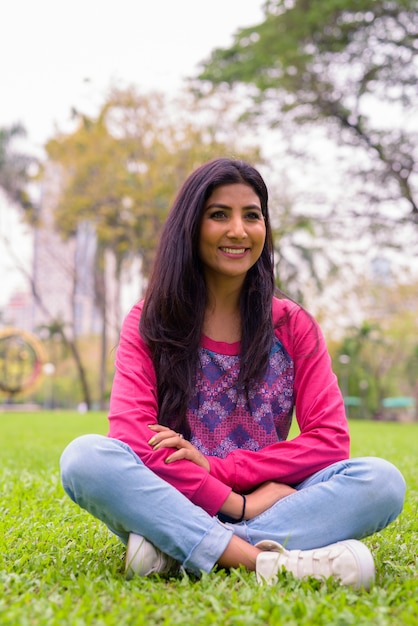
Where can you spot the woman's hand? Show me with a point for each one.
(258, 500)
(166, 438)
(264, 497)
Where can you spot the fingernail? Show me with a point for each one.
(151, 441)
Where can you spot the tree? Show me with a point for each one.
(350, 65)
(54, 326)
(14, 166)
(378, 357)
(302, 263)
(119, 173)
(121, 170)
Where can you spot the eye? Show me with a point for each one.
(219, 214)
(253, 216)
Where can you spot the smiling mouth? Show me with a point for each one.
(234, 250)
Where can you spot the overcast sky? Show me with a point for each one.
(55, 55)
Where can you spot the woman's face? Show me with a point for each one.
(232, 232)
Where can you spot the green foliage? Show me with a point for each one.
(300, 43)
(14, 167)
(116, 175)
(382, 352)
(337, 62)
(120, 170)
(59, 566)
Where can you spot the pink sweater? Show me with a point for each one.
(245, 445)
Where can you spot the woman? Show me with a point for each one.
(196, 469)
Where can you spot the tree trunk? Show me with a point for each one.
(101, 302)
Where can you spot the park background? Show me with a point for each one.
(105, 108)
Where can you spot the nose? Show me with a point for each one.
(237, 228)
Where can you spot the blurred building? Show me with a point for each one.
(63, 271)
(61, 281)
(60, 284)
(18, 312)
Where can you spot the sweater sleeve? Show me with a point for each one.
(319, 409)
(134, 405)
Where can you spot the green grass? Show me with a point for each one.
(58, 565)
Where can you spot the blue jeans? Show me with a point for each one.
(347, 500)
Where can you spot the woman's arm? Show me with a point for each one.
(319, 408)
(256, 502)
(134, 406)
(235, 505)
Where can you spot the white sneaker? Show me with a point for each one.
(348, 561)
(143, 558)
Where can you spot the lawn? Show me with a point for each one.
(60, 566)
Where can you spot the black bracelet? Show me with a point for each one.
(244, 504)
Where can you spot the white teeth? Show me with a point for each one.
(233, 250)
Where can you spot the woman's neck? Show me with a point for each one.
(222, 317)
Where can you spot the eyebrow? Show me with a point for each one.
(218, 205)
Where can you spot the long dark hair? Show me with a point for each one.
(175, 301)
